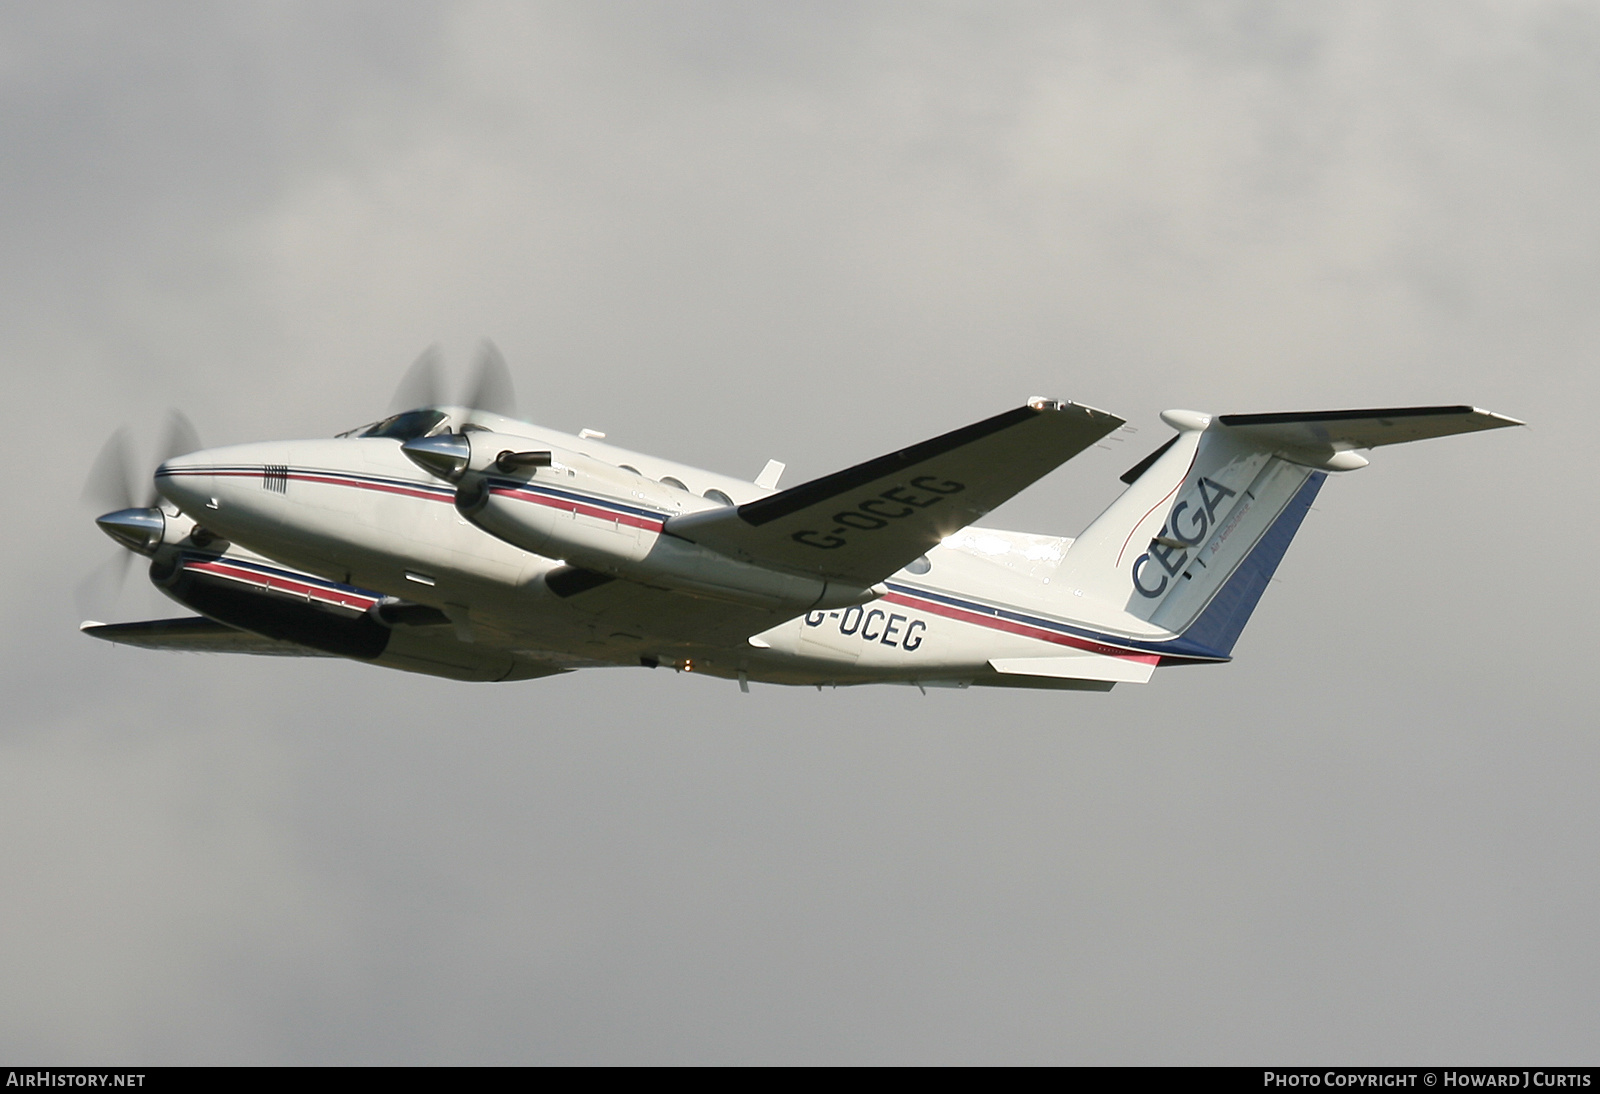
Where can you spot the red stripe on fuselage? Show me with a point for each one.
(325, 480)
(569, 506)
(380, 487)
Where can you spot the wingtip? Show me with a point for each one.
(1500, 420)
(1042, 403)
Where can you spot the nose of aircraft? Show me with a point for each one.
(236, 492)
(188, 481)
(241, 475)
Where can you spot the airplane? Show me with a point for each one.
(460, 542)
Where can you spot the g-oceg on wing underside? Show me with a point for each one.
(866, 522)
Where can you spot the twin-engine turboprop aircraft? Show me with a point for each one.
(463, 543)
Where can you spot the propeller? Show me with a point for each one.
(491, 385)
(111, 483)
(112, 488)
(108, 485)
(423, 383)
(103, 586)
(490, 389)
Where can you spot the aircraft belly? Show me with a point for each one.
(663, 616)
(885, 640)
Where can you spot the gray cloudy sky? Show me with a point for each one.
(727, 232)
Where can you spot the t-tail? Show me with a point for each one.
(1181, 558)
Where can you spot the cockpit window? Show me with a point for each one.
(407, 426)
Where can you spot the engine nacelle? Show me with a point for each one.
(568, 506)
(340, 621)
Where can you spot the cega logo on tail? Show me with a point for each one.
(1187, 526)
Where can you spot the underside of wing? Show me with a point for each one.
(864, 523)
(627, 610)
(195, 634)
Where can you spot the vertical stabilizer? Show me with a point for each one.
(1191, 544)
(1189, 547)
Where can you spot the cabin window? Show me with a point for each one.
(668, 480)
(718, 496)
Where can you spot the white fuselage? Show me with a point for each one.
(358, 513)
(470, 546)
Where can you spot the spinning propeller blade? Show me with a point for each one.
(491, 388)
(423, 383)
(181, 440)
(103, 586)
(108, 486)
(111, 487)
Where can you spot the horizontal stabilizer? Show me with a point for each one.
(196, 634)
(864, 523)
(1080, 666)
(1335, 430)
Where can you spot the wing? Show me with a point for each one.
(864, 523)
(195, 634)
